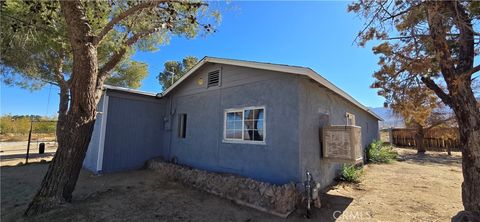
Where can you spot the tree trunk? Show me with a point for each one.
(75, 126)
(59, 182)
(460, 95)
(419, 139)
(468, 117)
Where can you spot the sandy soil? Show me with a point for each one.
(13, 153)
(416, 189)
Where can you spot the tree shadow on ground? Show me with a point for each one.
(431, 158)
(332, 207)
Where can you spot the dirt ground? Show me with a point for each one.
(416, 188)
(425, 188)
(13, 153)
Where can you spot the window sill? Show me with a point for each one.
(245, 142)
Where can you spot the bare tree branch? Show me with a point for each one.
(426, 35)
(400, 13)
(369, 23)
(438, 123)
(439, 91)
(473, 71)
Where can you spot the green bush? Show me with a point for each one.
(379, 153)
(21, 124)
(351, 173)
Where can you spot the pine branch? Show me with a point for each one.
(117, 56)
(133, 10)
(121, 17)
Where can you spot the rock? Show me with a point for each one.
(262, 188)
(269, 192)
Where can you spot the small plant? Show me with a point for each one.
(351, 173)
(379, 153)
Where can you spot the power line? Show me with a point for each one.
(48, 99)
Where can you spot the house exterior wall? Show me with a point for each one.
(91, 157)
(142, 127)
(276, 161)
(318, 107)
(134, 131)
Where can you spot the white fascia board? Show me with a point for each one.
(123, 89)
(190, 72)
(103, 128)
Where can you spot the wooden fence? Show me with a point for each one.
(439, 139)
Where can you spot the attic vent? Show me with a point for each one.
(213, 78)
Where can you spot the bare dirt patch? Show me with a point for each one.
(417, 189)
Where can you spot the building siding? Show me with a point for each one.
(91, 157)
(318, 107)
(276, 161)
(143, 127)
(134, 131)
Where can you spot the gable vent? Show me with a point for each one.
(213, 78)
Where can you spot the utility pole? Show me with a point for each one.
(29, 138)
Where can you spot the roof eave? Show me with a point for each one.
(274, 67)
(128, 90)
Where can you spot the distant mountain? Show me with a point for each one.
(390, 119)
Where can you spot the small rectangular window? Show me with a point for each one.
(350, 119)
(247, 124)
(213, 78)
(182, 125)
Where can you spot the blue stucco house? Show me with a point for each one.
(254, 119)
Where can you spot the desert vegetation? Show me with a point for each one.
(377, 152)
(351, 173)
(17, 127)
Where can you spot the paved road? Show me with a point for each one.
(12, 153)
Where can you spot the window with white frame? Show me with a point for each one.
(245, 124)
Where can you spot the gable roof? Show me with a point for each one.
(298, 70)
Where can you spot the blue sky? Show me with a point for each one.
(318, 35)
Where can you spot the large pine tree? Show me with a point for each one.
(77, 45)
(433, 43)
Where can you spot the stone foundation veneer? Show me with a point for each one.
(278, 200)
